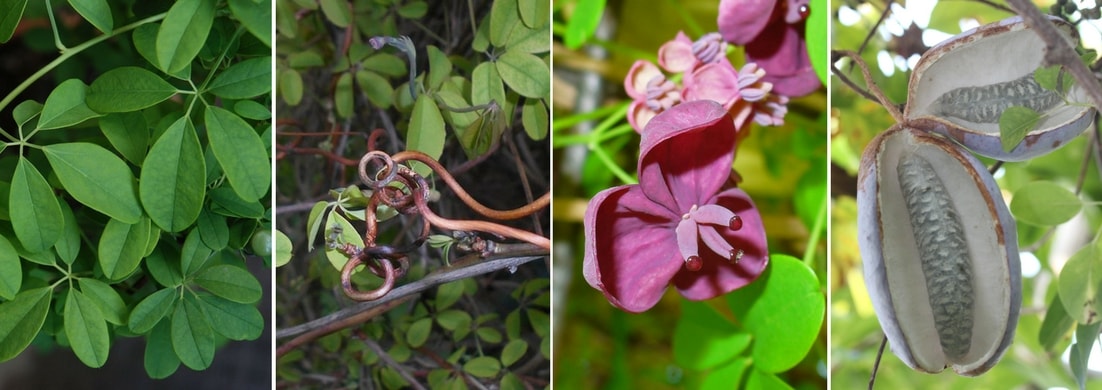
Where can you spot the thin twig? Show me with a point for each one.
(1058, 50)
(385, 357)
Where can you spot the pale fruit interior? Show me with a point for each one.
(906, 281)
(990, 60)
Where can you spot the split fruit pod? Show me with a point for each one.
(960, 88)
(940, 252)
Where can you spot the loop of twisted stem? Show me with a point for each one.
(377, 184)
(388, 274)
(871, 85)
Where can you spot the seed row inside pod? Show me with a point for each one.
(937, 241)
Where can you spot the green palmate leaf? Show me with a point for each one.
(504, 15)
(583, 23)
(151, 310)
(816, 34)
(338, 12)
(703, 339)
(192, 337)
(283, 249)
(524, 73)
(110, 304)
(164, 266)
(290, 86)
(343, 97)
(513, 351)
(1044, 203)
(535, 118)
(173, 178)
(11, 272)
(96, 12)
(68, 246)
(419, 332)
(230, 282)
(214, 230)
(86, 329)
(122, 247)
(486, 84)
(339, 227)
(1015, 123)
(33, 209)
(426, 131)
(232, 320)
(183, 32)
(26, 111)
(1055, 327)
(10, 13)
(65, 106)
(249, 109)
(244, 79)
(783, 310)
(1080, 285)
(106, 186)
(377, 88)
(160, 359)
(440, 67)
(128, 134)
(20, 320)
(194, 254)
(483, 367)
(256, 16)
(127, 88)
(1085, 336)
(240, 152)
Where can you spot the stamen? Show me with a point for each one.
(694, 263)
(805, 11)
(736, 223)
(735, 255)
(709, 48)
(714, 241)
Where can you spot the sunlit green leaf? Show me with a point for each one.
(1055, 328)
(1015, 123)
(419, 332)
(440, 67)
(339, 228)
(283, 249)
(1079, 356)
(1080, 285)
(290, 86)
(107, 186)
(513, 351)
(183, 32)
(816, 37)
(426, 131)
(1044, 203)
(524, 73)
(503, 17)
(535, 118)
(583, 23)
(240, 152)
(702, 339)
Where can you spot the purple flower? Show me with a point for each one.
(683, 224)
(774, 41)
(650, 91)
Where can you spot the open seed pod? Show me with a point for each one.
(961, 86)
(940, 252)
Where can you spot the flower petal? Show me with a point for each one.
(676, 56)
(641, 73)
(718, 276)
(740, 21)
(631, 250)
(717, 81)
(686, 154)
(782, 52)
(639, 115)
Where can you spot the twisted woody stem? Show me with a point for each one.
(411, 197)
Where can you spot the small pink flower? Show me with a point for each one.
(682, 54)
(650, 91)
(773, 33)
(682, 224)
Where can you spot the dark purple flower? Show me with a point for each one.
(775, 42)
(683, 223)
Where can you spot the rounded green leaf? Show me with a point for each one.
(151, 310)
(68, 247)
(128, 88)
(11, 270)
(385, 64)
(10, 13)
(483, 367)
(583, 23)
(377, 88)
(535, 118)
(128, 134)
(703, 339)
(122, 246)
(1015, 123)
(448, 293)
(163, 266)
(290, 86)
(724, 375)
(453, 319)
(86, 330)
(783, 310)
(419, 332)
(32, 206)
(440, 67)
(256, 16)
(525, 73)
(1044, 203)
(250, 109)
(343, 97)
(192, 337)
(240, 152)
(183, 32)
(96, 12)
(109, 302)
(816, 33)
(107, 185)
(339, 12)
(1080, 285)
(226, 202)
(213, 230)
(26, 111)
(413, 10)
(66, 106)
(245, 79)
(504, 16)
(173, 179)
(232, 320)
(230, 282)
(486, 84)
(513, 351)
(160, 359)
(426, 131)
(194, 254)
(283, 249)
(20, 320)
